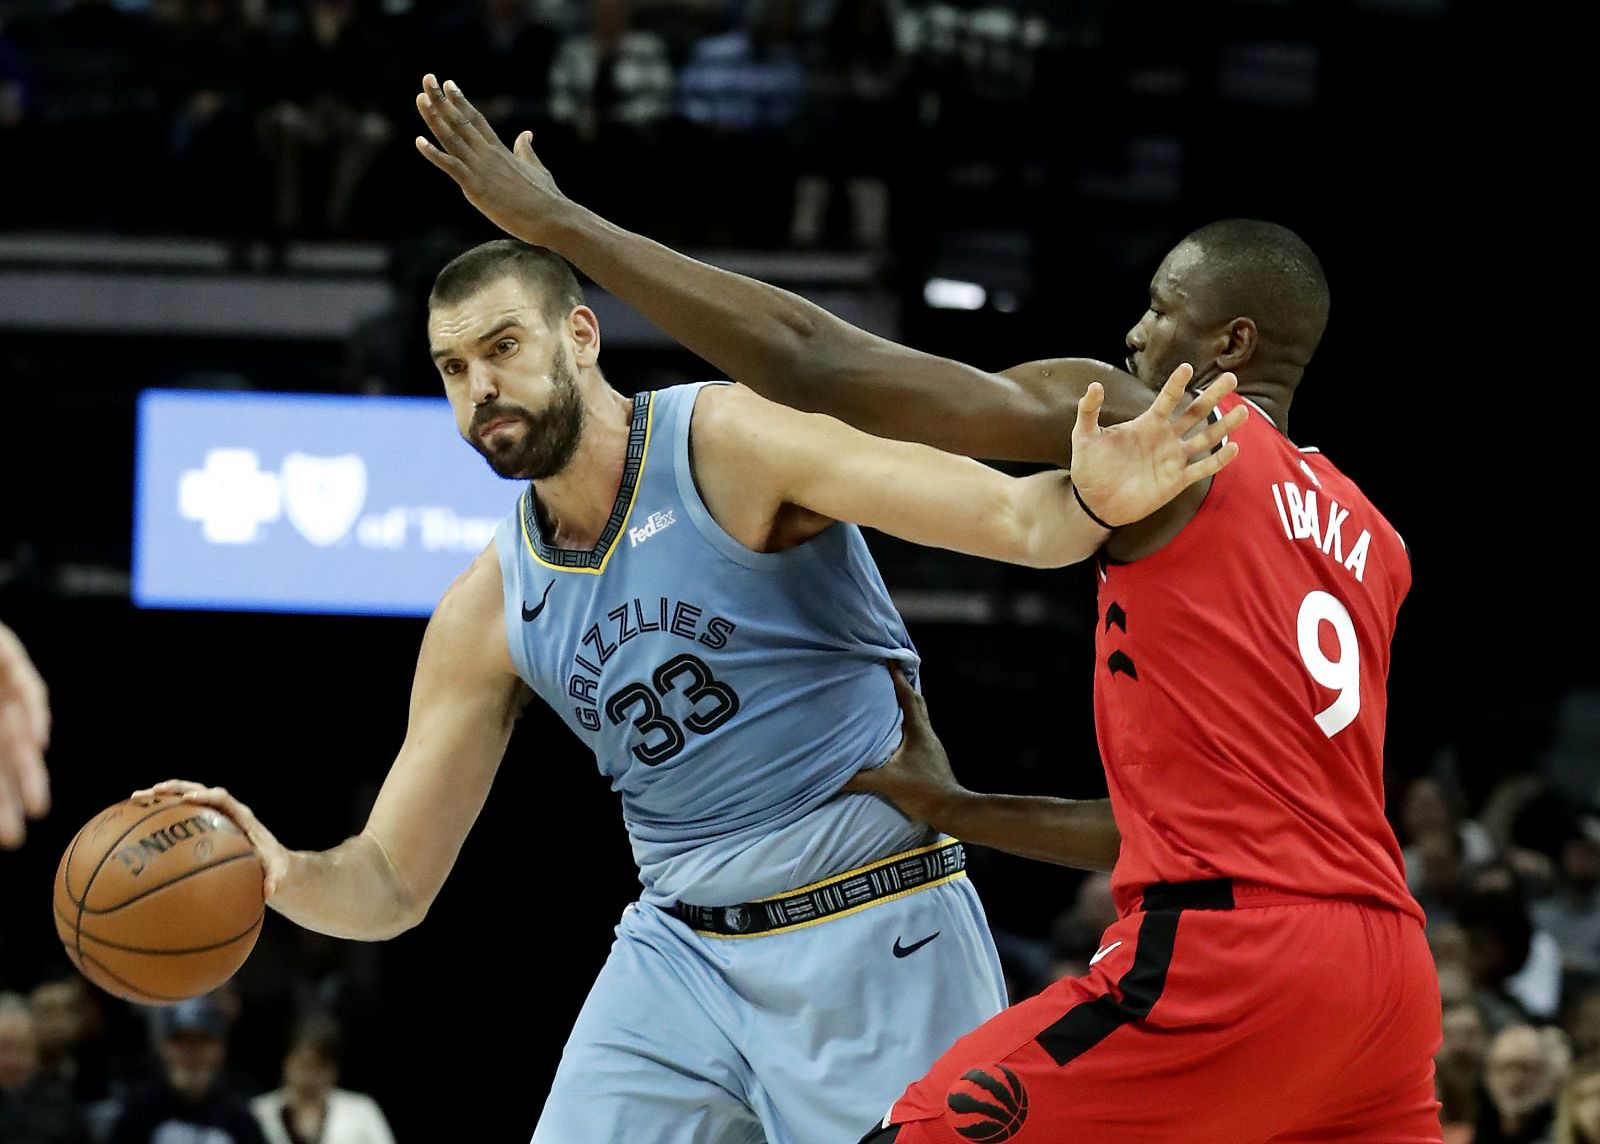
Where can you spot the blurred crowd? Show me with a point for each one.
(287, 117)
(1510, 886)
(277, 1058)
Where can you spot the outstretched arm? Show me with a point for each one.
(464, 702)
(944, 501)
(24, 734)
(918, 780)
(777, 343)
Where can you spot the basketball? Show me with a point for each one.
(158, 900)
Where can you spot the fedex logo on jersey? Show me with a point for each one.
(305, 502)
(658, 522)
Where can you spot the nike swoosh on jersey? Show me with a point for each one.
(1099, 953)
(908, 950)
(531, 614)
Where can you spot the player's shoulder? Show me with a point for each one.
(470, 615)
(724, 399)
(729, 418)
(476, 584)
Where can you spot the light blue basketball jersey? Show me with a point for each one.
(727, 694)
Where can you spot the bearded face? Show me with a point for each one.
(522, 445)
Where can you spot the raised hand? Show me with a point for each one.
(512, 189)
(1125, 472)
(24, 734)
(273, 854)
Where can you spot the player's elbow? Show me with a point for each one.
(1039, 548)
(1050, 538)
(1015, 532)
(788, 340)
(395, 917)
(1025, 532)
(1037, 559)
(814, 357)
(407, 918)
(402, 907)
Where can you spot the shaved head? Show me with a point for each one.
(1247, 268)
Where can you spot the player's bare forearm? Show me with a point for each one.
(351, 891)
(918, 780)
(1066, 832)
(935, 498)
(465, 699)
(747, 447)
(776, 342)
(793, 351)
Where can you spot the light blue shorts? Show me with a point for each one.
(799, 1036)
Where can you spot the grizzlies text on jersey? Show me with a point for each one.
(726, 693)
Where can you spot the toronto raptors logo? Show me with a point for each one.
(985, 1108)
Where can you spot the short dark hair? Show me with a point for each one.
(1265, 272)
(545, 271)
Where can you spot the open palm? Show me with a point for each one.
(511, 187)
(1125, 472)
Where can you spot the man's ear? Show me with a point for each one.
(584, 329)
(1239, 341)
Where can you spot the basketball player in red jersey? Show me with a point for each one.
(1267, 979)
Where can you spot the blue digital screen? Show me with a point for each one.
(284, 502)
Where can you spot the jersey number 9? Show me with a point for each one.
(1342, 674)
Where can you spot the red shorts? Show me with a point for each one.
(1272, 1018)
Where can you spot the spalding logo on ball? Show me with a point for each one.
(158, 900)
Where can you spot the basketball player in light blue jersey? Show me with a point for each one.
(678, 581)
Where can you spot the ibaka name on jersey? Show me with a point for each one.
(1305, 516)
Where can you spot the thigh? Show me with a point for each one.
(646, 1062)
(1116, 1054)
(843, 1014)
(1383, 1092)
(1409, 1120)
(1198, 1025)
(1406, 1112)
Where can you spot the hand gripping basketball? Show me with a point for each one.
(274, 855)
(158, 899)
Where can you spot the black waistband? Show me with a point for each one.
(1210, 894)
(852, 890)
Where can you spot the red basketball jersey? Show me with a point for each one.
(1240, 684)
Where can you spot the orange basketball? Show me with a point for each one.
(158, 900)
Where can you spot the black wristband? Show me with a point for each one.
(1090, 512)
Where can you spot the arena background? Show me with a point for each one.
(1049, 152)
